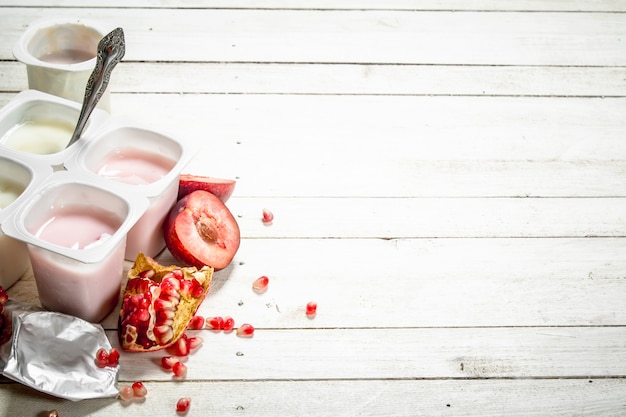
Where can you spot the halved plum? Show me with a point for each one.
(200, 230)
(220, 187)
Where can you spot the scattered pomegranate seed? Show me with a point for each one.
(168, 362)
(139, 389)
(179, 369)
(102, 358)
(311, 309)
(245, 330)
(215, 323)
(114, 357)
(194, 342)
(196, 323)
(260, 284)
(268, 216)
(229, 324)
(182, 405)
(126, 393)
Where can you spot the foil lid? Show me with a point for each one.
(55, 353)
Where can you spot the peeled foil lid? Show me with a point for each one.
(55, 353)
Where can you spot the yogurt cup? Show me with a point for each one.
(60, 55)
(41, 125)
(75, 231)
(140, 161)
(18, 179)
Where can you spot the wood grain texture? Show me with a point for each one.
(447, 179)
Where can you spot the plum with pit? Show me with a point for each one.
(201, 231)
(222, 188)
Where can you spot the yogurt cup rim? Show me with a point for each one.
(20, 49)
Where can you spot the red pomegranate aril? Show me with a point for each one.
(194, 342)
(215, 323)
(180, 348)
(168, 362)
(260, 284)
(182, 405)
(114, 357)
(196, 323)
(139, 389)
(126, 393)
(229, 324)
(102, 358)
(179, 369)
(245, 330)
(311, 309)
(268, 216)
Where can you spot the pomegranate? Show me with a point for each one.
(182, 405)
(245, 330)
(158, 304)
(268, 216)
(139, 389)
(260, 284)
(200, 230)
(219, 187)
(311, 309)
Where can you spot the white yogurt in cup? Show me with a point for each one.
(75, 231)
(18, 178)
(60, 55)
(140, 161)
(41, 125)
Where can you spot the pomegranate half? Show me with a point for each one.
(158, 303)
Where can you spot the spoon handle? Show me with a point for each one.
(111, 50)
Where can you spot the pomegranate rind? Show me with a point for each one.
(201, 231)
(185, 310)
(222, 188)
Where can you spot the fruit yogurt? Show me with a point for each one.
(75, 231)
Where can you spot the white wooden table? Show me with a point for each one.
(449, 184)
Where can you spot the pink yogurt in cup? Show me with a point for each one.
(75, 231)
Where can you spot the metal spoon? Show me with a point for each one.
(111, 50)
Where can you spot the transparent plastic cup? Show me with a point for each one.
(75, 231)
(60, 55)
(140, 161)
(18, 179)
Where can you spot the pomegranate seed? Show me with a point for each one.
(126, 393)
(182, 405)
(260, 284)
(215, 323)
(51, 413)
(194, 342)
(268, 216)
(197, 323)
(102, 358)
(179, 369)
(114, 357)
(311, 309)
(180, 348)
(168, 362)
(245, 330)
(139, 389)
(229, 324)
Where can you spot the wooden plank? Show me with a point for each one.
(343, 36)
(520, 352)
(484, 5)
(403, 398)
(253, 78)
(408, 283)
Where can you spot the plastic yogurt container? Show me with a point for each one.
(75, 230)
(19, 177)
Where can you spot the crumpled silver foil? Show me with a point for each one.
(55, 353)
